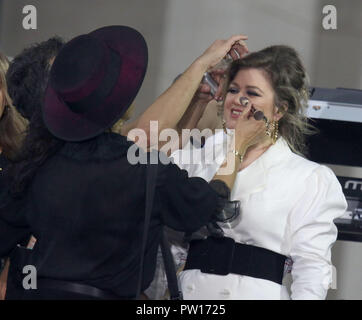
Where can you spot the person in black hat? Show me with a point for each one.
(75, 189)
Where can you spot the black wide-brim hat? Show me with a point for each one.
(93, 81)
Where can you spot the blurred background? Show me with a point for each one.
(179, 31)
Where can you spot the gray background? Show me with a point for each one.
(177, 31)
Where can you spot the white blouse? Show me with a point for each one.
(288, 205)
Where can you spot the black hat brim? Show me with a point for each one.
(71, 126)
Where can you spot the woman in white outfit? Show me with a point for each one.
(288, 203)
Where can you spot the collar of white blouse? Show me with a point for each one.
(253, 178)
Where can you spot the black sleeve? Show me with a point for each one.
(187, 203)
(13, 224)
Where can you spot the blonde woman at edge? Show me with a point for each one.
(12, 127)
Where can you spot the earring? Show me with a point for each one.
(272, 130)
(224, 125)
(275, 133)
(269, 128)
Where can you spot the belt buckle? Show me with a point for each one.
(219, 255)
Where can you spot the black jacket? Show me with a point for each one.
(86, 208)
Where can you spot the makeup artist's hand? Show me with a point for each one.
(234, 48)
(204, 92)
(248, 131)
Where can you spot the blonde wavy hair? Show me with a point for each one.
(290, 82)
(12, 124)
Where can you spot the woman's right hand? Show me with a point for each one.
(248, 131)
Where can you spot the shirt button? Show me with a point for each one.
(226, 293)
(190, 287)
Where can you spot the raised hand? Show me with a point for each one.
(234, 46)
(248, 131)
(217, 71)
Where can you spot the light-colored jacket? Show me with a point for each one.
(288, 205)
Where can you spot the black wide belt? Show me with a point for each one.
(223, 256)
